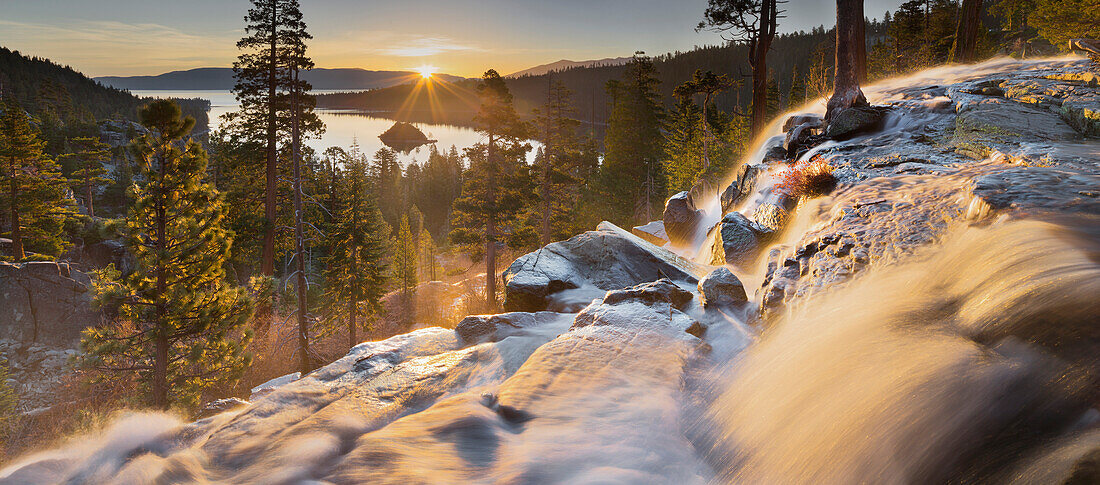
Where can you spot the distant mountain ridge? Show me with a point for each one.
(567, 64)
(221, 78)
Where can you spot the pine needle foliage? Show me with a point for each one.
(180, 329)
(32, 190)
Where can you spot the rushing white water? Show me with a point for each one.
(971, 360)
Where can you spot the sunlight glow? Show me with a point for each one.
(426, 71)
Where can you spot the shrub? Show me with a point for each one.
(809, 179)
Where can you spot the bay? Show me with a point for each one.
(342, 127)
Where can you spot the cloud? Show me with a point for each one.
(425, 46)
(111, 47)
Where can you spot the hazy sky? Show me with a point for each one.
(463, 37)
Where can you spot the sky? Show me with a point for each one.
(461, 37)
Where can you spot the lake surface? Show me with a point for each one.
(342, 127)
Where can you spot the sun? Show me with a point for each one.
(426, 71)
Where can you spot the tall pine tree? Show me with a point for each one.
(565, 166)
(33, 189)
(632, 176)
(180, 328)
(497, 186)
(88, 173)
(356, 271)
(265, 73)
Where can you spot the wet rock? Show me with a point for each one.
(722, 288)
(993, 121)
(633, 307)
(770, 217)
(742, 187)
(608, 258)
(811, 120)
(662, 290)
(220, 406)
(273, 384)
(775, 154)
(494, 328)
(681, 218)
(1082, 112)
(736, 240)
(653, 233)
(1033, 190)
(850, 122)
(798, 138)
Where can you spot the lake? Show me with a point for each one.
(342, 127)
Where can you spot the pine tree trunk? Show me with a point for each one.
(160, 359)
(299, 237)
(268, 257)
(860, 45)
(759, 99)
(352, 325)
(88, 188)
(759, 62)
(546, 157)
(706, 134)
(966, 31)
(17, 253)
(846, 91)
(490, 230)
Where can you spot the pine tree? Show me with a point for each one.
(88, 173)
(405, 257)
(429, 267)
(797, 95)
(683, 145)
(851, 63)
(565, 165)
(356, 271)
(753, 22)
(34, 190)
(632, 177)
(274, 51)
(497, 186)
(180, 328)
(1061, 20)
(708, 84)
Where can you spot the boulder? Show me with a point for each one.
(494, 328)
(742, 187)
(47, 303)
(681, 218)
(770, 216)
(735, 240)
(608, 258)
(798, 139)
(854, 121)
(663, 290)
(653, 233)
(722, 288)
(812, 120)
(648, 305)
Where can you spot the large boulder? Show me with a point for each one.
(494, 328)
(654, 232)
(742, 187)
(770, 216)
(854, 121)
(722, 288)
(681, 218)
(735, 240)
(45, 303)
(608, 258)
